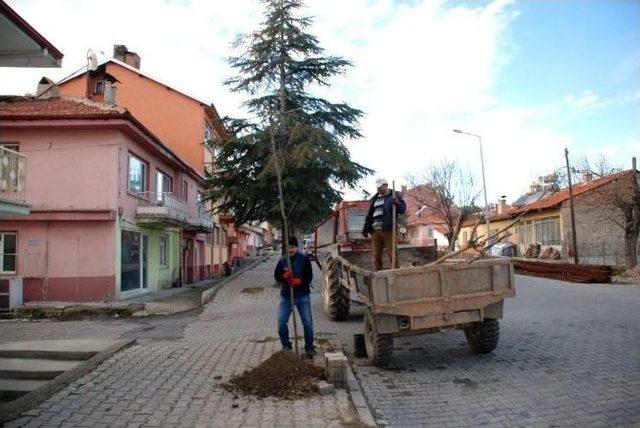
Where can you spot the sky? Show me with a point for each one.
(531, 77)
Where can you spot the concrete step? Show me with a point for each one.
(10, 389)
(34, 368)
(73, 349)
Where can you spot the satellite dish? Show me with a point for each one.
(92, 60)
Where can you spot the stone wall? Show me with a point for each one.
(600, 239)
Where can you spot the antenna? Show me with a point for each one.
(92, 64)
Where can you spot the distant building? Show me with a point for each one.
(546, 221)
(111, 204)
(423, 224)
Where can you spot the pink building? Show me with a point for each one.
(114, 212)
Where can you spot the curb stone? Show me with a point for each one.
(359, 400)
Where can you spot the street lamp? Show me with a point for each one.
(484, 183)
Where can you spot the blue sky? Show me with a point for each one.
(531, 76)
(573, 47)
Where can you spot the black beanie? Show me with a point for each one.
(293, 241)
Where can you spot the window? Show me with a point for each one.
(163, 184)
(8, 252)
(548, 231)
(465, 237)
(430, 233)
(99, 87)
(208, 131)
(137, 175)
(185, 190)
(164, 251)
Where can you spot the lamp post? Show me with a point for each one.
(484, 182)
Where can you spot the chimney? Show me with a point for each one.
(47, 88)
(121, 53)
(502, 204)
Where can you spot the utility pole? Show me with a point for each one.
(573, 214)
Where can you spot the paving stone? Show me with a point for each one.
(226, 339)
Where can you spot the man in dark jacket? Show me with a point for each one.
(299, 277)
(379, 220)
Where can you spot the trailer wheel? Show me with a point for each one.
(335, 298)
(379, 346)
(483, 336)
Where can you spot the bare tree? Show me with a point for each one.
(446, 191)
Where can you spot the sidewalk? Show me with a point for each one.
(163, 302)
(178, 382)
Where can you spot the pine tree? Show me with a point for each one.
(278, 65)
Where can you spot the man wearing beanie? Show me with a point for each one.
(299, 277)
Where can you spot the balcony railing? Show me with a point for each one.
(161, 208)
(199, 219)
(13, 174)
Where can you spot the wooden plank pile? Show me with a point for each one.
(565, 271)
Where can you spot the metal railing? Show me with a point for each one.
(172, 206)
(13, 175)
(199, 216)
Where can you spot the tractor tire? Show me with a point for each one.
(379, 346)
(335, 298)
(483, 336)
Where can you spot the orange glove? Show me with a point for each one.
(287, 274)
(294, 282)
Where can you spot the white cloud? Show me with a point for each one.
(420, 71)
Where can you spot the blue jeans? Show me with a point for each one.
(303, 303)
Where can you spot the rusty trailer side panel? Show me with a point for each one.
(432, 296)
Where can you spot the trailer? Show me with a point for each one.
(416, 298)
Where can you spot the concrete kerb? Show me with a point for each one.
(209, 294)
(13, 409)
(358, 399)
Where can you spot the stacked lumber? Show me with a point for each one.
(565, 271)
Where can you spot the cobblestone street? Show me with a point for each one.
(568, 356)
(177, 382)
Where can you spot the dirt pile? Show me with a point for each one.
(282, 375)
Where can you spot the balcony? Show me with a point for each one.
(161, 209)
(13, 174)
(199, 220)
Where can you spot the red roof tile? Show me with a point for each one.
(37, 108)
(553, 200)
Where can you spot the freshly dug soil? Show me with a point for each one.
(282, 375)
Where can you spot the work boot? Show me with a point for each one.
(309, 353)
(287, 348)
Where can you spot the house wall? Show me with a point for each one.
(69, 169)
(71, 173)
(600, 239)
(65, 260)
(496, 226)
(158, 108)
